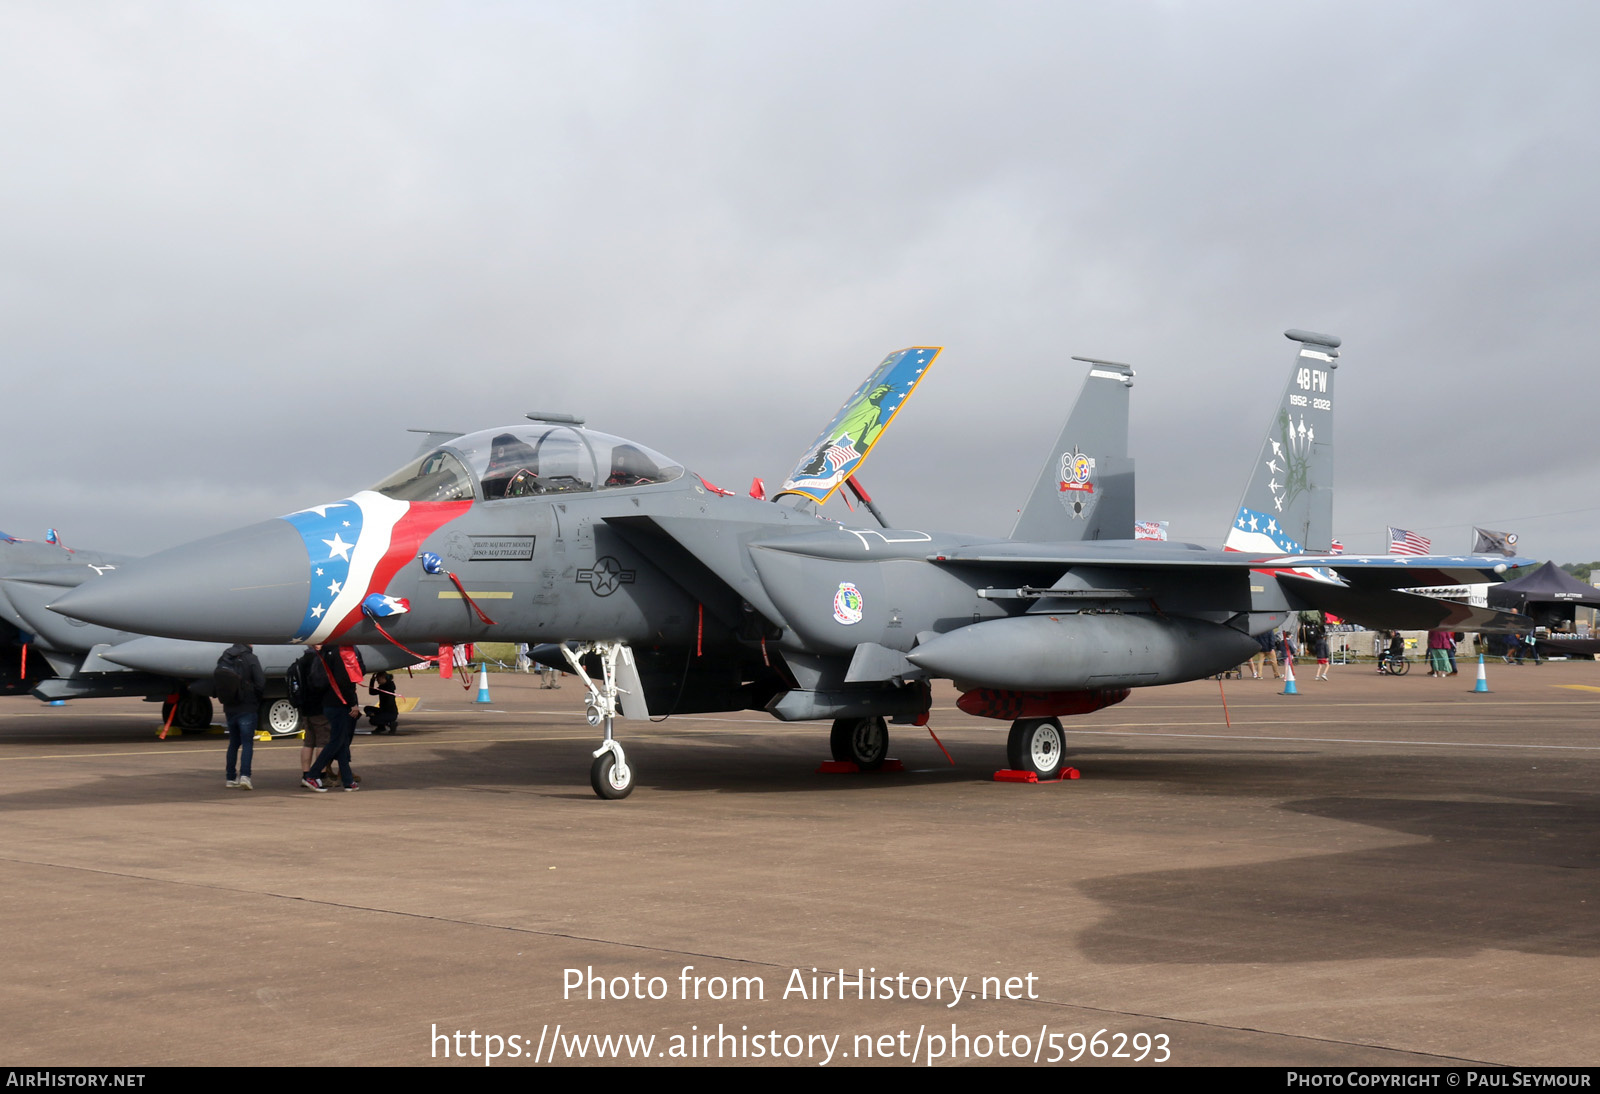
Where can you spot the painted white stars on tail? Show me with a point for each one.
(1260, 534)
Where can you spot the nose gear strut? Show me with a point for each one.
(619, 691)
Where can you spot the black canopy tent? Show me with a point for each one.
(1548, 596)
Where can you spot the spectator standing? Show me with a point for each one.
(337, 673)
(238, 684)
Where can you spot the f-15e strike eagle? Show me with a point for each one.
(681, 598)
(54, 657)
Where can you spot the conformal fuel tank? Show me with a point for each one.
(1067, 652)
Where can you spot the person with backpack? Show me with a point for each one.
(336, 673)
(308, 701)
(238, 684)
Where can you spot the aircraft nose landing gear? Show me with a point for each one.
(609, 775)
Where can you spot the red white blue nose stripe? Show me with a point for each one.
(345, 541)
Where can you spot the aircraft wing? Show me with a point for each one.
(1363, 572)
(844, 443)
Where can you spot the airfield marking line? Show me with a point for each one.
(545, 933)
(1577, 687)
(1253, 722)
(1334, 702)
(1333, 740)
(438, 741)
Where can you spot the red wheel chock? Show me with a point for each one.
(846, 767)
(1009, 776)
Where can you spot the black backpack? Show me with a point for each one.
(227, 682)
(301, 693)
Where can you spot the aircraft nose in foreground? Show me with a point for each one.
(250, 584)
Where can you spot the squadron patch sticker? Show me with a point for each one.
(847, 604)
(1077, 483)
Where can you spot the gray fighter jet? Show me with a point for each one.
(53, 657)
(670, 596)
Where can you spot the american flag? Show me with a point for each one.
(841, 454)
(1402, 542)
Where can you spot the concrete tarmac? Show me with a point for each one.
(1375, 871)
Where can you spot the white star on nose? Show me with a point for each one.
(337, 546)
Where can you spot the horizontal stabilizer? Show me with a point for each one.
(1387, 609)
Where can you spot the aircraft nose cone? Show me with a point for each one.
(248, 585)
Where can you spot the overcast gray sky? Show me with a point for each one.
(244, 246)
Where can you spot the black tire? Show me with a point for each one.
(194, 711)
(861, 741)
(279, 718)
(1038, 745)
(603, 777)
(1399, 666)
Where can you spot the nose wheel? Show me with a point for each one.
(610, 775)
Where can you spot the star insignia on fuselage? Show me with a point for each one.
(605, 576)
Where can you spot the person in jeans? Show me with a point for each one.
(336, 674)
(239, 683)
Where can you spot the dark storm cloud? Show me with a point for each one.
(243, 246)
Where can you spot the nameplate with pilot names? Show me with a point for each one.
(501, 548)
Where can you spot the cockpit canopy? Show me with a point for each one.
(526, 461)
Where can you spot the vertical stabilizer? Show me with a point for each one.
(1085, 489)
(1288, 505)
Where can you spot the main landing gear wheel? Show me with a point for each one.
(861, 741)
(610, 779)
(279, 718)
(194, 711)
(1037, 745)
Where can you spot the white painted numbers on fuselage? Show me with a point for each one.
(1313, 380)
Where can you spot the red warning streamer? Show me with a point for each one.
(172, 701)
(468, 598)
(398, 645)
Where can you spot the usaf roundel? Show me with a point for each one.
(847, 604)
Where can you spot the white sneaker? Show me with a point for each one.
(244, 783)
(231, 783)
